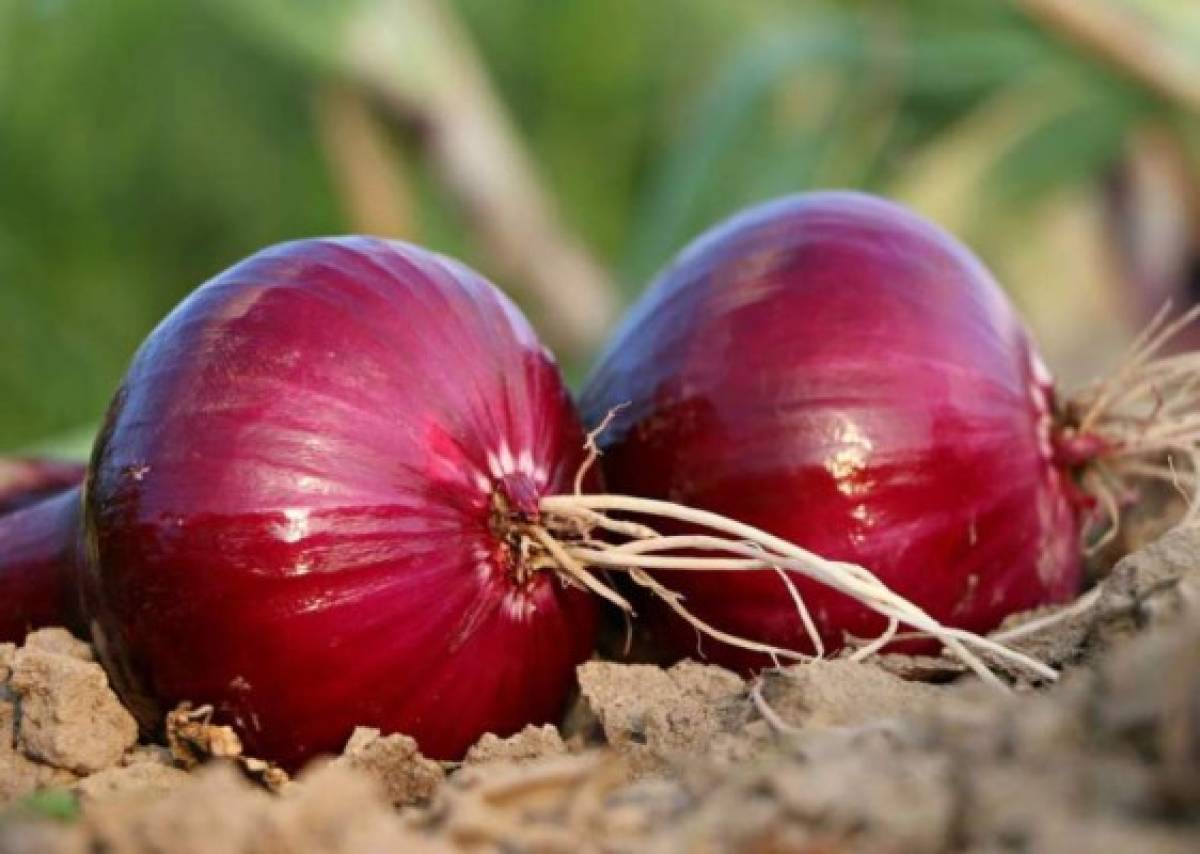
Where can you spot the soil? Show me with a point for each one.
(830, 756)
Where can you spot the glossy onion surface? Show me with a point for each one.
(39, 546)
(838, 371)
(290, 511)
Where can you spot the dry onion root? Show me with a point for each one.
(879, 376)
(1132, 426)
(1140, 423)
(1125, 426)
(562, 538)
(568, 520)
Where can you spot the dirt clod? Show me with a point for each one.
(60, 642)
(649, 715)
(125, 781)
(69, 717)
(1149, 588)
(844, 693)
(533, 742)
(19, 775)
(395, 764)
(338, 809)
(193, 738)
(217, 809)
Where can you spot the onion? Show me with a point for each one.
(838, 372)
(305, 507)
(39, 515)
(38, 564)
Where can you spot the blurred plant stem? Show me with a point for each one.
(1122, 40)
(420, 63)
(944, 177)
(372, 183)
(1153, 212)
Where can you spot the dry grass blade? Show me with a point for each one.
(1147, 417)
(1122, 40)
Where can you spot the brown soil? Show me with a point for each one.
(834, 756)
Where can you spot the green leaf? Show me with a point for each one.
(1073, 146)
(721, 130)
(54, 804)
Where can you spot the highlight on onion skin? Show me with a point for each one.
(39, 549)
(841, 373)
(301, 507)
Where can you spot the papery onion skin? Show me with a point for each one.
(840, 372)
(39, 548)
(290, 502)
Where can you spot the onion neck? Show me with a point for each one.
(1074, 450)
(514, 520)
(1075, 453)
(1137, 426)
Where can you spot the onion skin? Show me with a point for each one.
(38, 566)
(25, 481)
(838, 371)
(39, 523)
(290, 507)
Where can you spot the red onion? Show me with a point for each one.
(39, 515)
(38, 561)
(843, 374)
(305, 507)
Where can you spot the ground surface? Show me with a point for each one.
(827, 757)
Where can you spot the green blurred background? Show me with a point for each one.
(568, 149)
